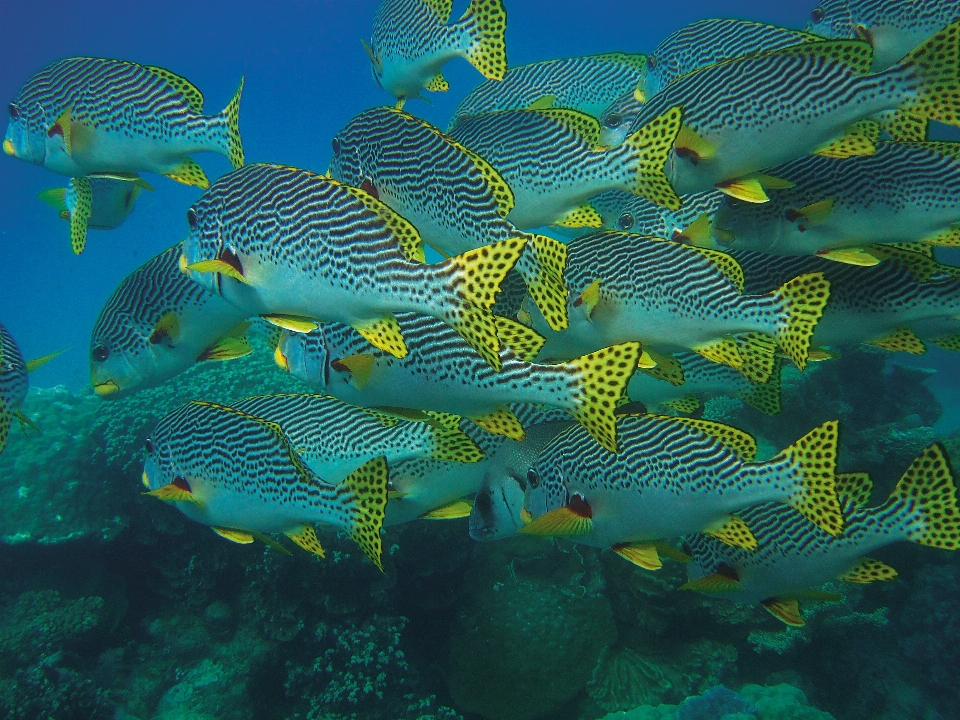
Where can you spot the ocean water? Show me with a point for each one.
(116, 606)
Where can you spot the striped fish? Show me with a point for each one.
(884, 305)
(588, 84)
(794, 556)
(497, 511)
(443, 373)
(454, 198)
(892, 27)
(14, 383)
(83, 116)
(101, 202)
(158, 323)
(242, 476)
(335, 438)
(436, 489)
(820, 92)
(694, 46)
(300, 248)
(413, 39)
(553, 162)
(673, 474)
(676, 297)
(691, 223)
(903, 193)
(684, 381)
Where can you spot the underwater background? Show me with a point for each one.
(116, 606)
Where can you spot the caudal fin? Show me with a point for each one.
(803, 300)
(650, 148)
(814, 458)
(541, 266)
(473, 280)
(368, 485)
(929, 490)
(603, 378)
(230, 119)
(936, 64)
(486, 22)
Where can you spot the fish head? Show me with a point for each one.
(122, 360)
(173, 469)
(26, 132)
(306, 356)
(616, 120)
(498, 508)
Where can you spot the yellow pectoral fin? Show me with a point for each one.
(360, 367)
(228, 348)
(64, 128)
(569, 521)
(748, 189)
(451, 511)
(697, 233)
(689, 144)
(811, 215)
(167, 330)
(217, 266)
(173, 493)
(293, 323)
(589, 298)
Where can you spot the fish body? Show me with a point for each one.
(553, 162)
(588, 84)
(674, 297)
(335, 438)
(694, 46)
(671, 474)
(443, 373)
(748, 114)
(236, 472)
(413, 39)
(155, 325)
(892, 27)
(275, 241)
(794, 556)
(623, 211)
(83, 116)
(874, 305)
(454, 198)
(905, 192)
(13, 383)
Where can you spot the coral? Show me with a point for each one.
(782, 702)
(43, 623)
(625, 679)
(717, 703)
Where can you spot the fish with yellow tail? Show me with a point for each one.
(82, 116)
(241, 475)
(793, 557)
(413, 39)
(672, 474)
(300, 249)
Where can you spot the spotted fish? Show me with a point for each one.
(892, 27)
(672, 474)
(822, 91)
(158, 323)
(553, 162)
(101, 202)
(794, 556)
(588, 84)
(884, 305)
(905, 192)
(242, 476)
(83, 116)
(673, 297)
(413, 39)
(694, 46)
(442, 372)
(14, 383)
(454, 198)
(691, 223)
(684, 381)
(335, 438)
(301, 248)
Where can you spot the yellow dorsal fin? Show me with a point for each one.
(689, 144)
(584, 126)
(451, 511)
(729, 267)
(166, 331)
(241, 537)
(191, 94)
(787, 610)
(868, 570)
(359, 365)
(408, 239)
(293, 323)
(383, 333)
(902, 340)
(525, 343)
(643, 555)
(306, 538)
(733, 531)
(859, 139)
(442, 8)
(737, 440)
(500, 422)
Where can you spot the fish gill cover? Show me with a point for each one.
(662, 306)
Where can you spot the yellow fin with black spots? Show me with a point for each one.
(814, 456)
(542, 266)
(500, 422)
(368, 483)
(902, 340)
(524, 342)
(733, 531)
(929, 486)
(383, 333)
(306, 537)
(82, 199)
(651, 145)
(686, 404)
(585, 216)
(487, 51)
(438, 83)
(868, 570)
(189, 172)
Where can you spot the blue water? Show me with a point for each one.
(306, 76)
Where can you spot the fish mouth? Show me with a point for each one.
(9, 149)
(106, 389)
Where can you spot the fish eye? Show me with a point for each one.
(613, 120)
(336, 146)
(817, 15)
(651, 62)
(533, 478)
(14, 111)
(148, 445)
(100, 353)
(192, 219)
(626, 221)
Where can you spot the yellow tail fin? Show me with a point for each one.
(937, 63)
(651, 146)
(487, 51)
(603, 380)
(803, 300)
(541, 266)
(231, 119)
(814, 457)
(368, 484)
(929, 487)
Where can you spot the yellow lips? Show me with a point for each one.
(8, 148)
(145, 480)
(182, 264)
(106, 389)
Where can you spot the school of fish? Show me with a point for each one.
(519, 318)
